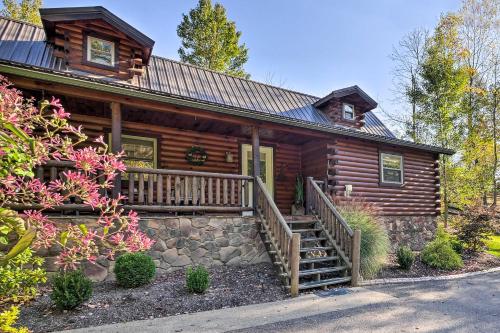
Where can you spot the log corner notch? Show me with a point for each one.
(116, 141)
(255, 162)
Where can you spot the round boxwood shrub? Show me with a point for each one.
(70, 289)
(374, 239)
(440, 254)
(197, 279)
(134, 269)
(405, 257)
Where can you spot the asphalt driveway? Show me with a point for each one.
(469, 304)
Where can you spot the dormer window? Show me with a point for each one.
(100, 52)
(348, 111)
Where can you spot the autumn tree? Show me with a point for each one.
(210, 40)
(24, 10)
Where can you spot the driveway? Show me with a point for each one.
(463, 305)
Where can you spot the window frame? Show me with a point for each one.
(86, 50)
(144, 138)
(381, 172)
(353, 112)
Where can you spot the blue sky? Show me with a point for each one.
(310, 46)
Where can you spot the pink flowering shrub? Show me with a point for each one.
(29, 137)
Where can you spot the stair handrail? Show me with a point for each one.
(346, 241)
(286, 243)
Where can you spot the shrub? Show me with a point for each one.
(20, 276)
(475, 227)
(197, 279)
(457, 245)
(134, 269)
(405, 257)
(8, 318)
(374, 238)
(440, 254)
(71, 289)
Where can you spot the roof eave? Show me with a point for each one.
(122, 89)
(339, 93)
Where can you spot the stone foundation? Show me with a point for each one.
(184, 241)
(413, 231)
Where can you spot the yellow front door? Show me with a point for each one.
(266, 166)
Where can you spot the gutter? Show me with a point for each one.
(48, 75)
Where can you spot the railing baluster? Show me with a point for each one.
(186, 191)
(159, 189)
(177, 190)
(169, 190)
(39, 173)
(131, 189)
(202, 191)
(210, 191)
(195, 191)
(224, 191)
(140, 198)
(150, 188)
(53, 173)
(217, 191)
(233, 199)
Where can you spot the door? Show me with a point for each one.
(266, 167)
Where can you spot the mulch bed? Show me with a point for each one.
(472, 263)
(231, 286)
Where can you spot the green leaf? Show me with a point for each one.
(18, 132)
(22, 244)
(105, 230)
(83, 229)
(3, 240)
(64, 237)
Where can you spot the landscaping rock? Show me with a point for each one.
(95, 272)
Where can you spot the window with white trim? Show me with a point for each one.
(100, 51)
(348, 111)
(391, 168)
(140, 152)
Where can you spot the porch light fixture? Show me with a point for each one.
(348, 191)
(229, 157)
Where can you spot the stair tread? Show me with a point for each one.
(320, 283)
(312, 239)
(321, 270)
(301, 221)
(320, 259)
(306, 230)
(305, 249)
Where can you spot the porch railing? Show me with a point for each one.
(285, 243)
(344, 239)
(165, 190)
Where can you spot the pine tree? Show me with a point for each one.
(210, 40)
(25, 10)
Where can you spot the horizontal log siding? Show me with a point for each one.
(314, 160)
(357, 163)
(173, 143)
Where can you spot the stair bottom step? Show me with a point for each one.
(321, 283)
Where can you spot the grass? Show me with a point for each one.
(494, 245)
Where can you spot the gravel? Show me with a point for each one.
(472, 263)
(231, 286)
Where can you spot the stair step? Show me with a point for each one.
(301, 221)
(306, 230)
(320, 283)
(321, 259)
(325, 248)
(321, 270)
(312, 239)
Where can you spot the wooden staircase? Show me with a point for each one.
(312, 251)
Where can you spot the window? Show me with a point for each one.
(391, 168)
(348, 111)
(100, 51)
(140, 152)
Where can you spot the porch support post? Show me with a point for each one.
(116, 141)
(256, 163)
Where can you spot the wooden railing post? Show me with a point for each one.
(355, 257)
(294, 264)
(308, 195)
(256, 162)
(116, 142)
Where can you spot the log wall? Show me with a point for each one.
(357, 163)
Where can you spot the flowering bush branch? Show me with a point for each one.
(31, 136)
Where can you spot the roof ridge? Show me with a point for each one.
(233, 76)
(20, 21)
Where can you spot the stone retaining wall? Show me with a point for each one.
(413, 231)
(184, 241)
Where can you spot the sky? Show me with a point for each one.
(313, 46)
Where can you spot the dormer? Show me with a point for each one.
(94, 40)
(347, 106)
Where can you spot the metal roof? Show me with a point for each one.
(23, 44)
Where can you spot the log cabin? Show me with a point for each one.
(206, 150)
